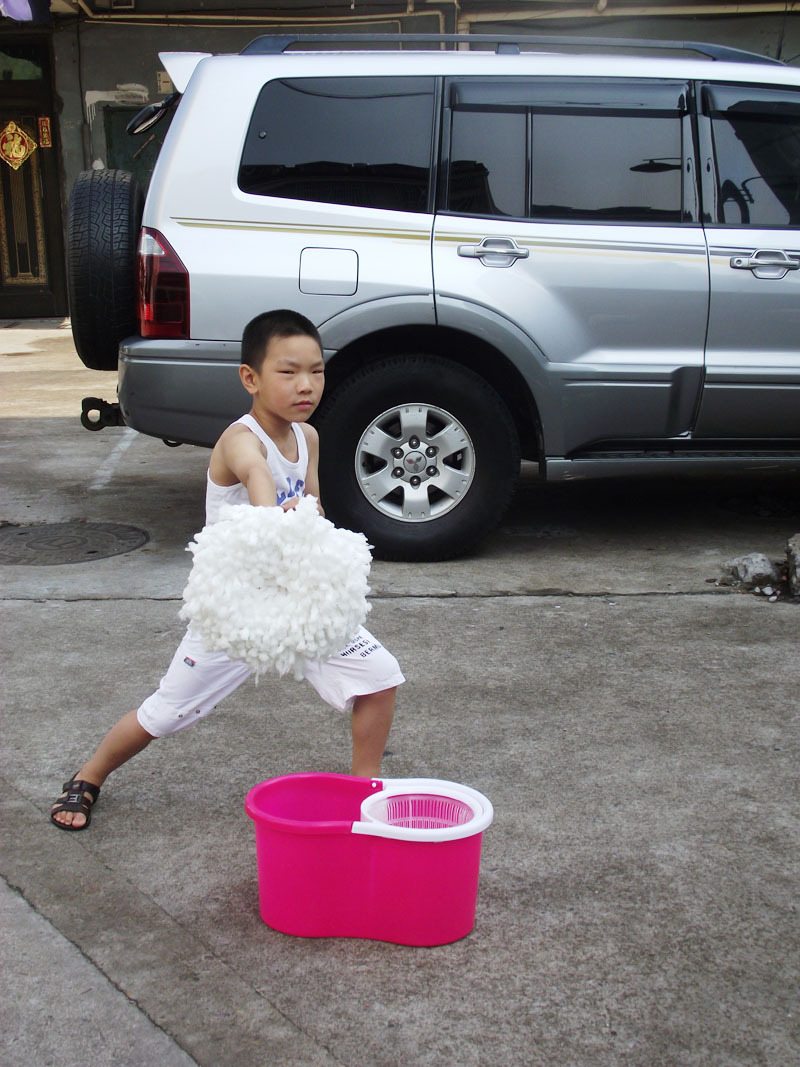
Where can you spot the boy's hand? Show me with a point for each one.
(292, 502)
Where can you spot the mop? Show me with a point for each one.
(276, 588)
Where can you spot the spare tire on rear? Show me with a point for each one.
(105, 214)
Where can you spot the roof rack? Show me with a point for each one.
(504, 44)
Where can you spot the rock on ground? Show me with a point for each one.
(793, 569)
(752, 570)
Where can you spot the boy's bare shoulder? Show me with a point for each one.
(235, 445)
(311, 435)
(235, 432)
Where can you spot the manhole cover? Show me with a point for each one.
(46, 544)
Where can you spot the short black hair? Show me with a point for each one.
(264, 328)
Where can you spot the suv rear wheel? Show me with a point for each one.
(419, 454)
(105, 213)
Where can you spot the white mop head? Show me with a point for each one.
(275, 589)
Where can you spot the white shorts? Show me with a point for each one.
(197, 680)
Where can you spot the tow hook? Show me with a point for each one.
(107, 414)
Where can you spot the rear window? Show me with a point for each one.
(363, 142)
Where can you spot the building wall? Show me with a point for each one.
(100, 66)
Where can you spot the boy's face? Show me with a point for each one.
(291, 379)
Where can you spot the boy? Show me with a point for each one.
(267, 458)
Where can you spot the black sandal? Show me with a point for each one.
(75, 801)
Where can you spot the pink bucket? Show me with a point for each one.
(395, 860)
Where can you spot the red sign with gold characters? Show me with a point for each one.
(15, 145)
(45, 136)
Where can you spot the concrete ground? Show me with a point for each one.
(634, 724)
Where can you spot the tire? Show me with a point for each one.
(105, 213)
(419, 454)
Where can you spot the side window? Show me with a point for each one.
(756, 137)
(585, 151)
(607, 167)
(488, 153)
(364, 142)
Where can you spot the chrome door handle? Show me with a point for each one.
(495, 251)
(766, 263)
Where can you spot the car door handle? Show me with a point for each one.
(766, 263)
(495, 251)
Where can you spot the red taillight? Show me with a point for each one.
(163, 288)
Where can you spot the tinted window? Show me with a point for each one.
(567, 150)
(757, 148)
(488, 155)
(607, 167)
(365, 142)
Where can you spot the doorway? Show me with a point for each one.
(32, 272)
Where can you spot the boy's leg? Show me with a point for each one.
(363, 677)
(120, 743)
(196, 680)
(371, 720)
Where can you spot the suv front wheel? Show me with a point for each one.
(418, 453)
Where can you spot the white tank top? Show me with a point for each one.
(290, 478)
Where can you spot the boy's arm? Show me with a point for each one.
(312, 474)
(240, 455)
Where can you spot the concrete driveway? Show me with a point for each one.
(634, 724)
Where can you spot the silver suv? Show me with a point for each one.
(590, 261)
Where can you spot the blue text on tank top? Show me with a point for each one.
(294, 488)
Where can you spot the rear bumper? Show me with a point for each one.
(186, 391)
